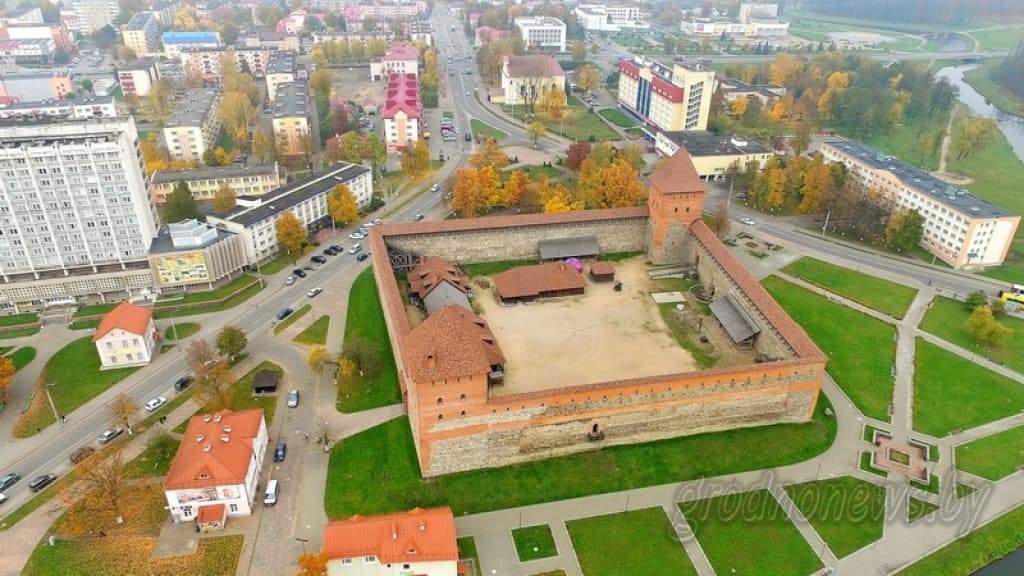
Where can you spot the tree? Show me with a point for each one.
(347, 370)
(468, 196)
(341, 204)
(262, 146)
(321, 83)
(100, 487)
(488, 153)
(578, 152)
(226, 199)
(416, 160)
(124, 410)
(365, 354)
(213, 377)
(513, 192)
(553, 102)
(290, 232)
(180, 205)
(579, 51)
(104, 37)
(617, 185)
(587, 78)
(985, 329)
(904, 230)
(535, 130)
(325, 434)
(317, 359)
(231, 341)
(738, 107)
(87, 85)
(973, 133)
(6, 377)
(976, 299)
(719, 222)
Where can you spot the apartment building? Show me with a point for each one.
(419, 32)
(21, 14)
(175, 42)
(291, 121)
(960, 229)
(75, 216)
(401, 59)
(94, 107)
(91, 15)
(271, 40)
(254, 218)
(712, 154)
(27, 52)
(280, 69)
(609, 17)
(669, 99)
(194, 125)
(36, 86)
(165, 12)
(753, 21)
(542, 32)
(208, 61)
(142, 34)
(137, 77)
(251, 180)
(60, 35)
(403, 113)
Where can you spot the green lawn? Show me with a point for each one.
(754, 523)
(861, 349)
(635, 132)
(629, 543)
(181, 330)
(932, 485)
(966, 555)
(365, 322)
(993, 457)
(846, 512)
(865, 465)
(964, 490)
(242, 397)
(467, 549)
(84, 324)
(901, 141)
(484, 131)
(918, 509)
(74, 371)
(581, 122)
(617, 117)
(284, 260)
(18, 319)
(1005, 39)
(210, 295)
(292, 319)
(981, 80)
(93, 309)
(22, 357)
(491, 268)
(156, 459)
(315, 333)
(951, 393)
(882, 295)
(384, 457)
(946, 317)
(869, 433)
(19, 333)
(534, 543)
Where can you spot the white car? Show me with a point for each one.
(356, 236)
(109, 435)
(289, 281)
(313, 293)
(155, 403)
(435, 187)
(747, 221)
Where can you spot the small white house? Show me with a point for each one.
(420, 541)
(218, 466)
(126, 337)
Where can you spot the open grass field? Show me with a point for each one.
(231, 302)
(580, 122)
(999, 39)
(75, 375)
(952, 393)
(966, 555)
(491, 268)
(617, 117)
(365, 321)
(315, 333)
(241, 397)
(846, 512)
(882, 295)
(19, 333)
(981, 80)
(993, 457)
(93, 309)
(754, 523)
(861, 349)
(629, 543)
(534, 543)
(917, 509)
(181, 330)
(384, 457)
(946, 317)
(19, 319)
(484, 131)
(22, 357)
(215, 294)
(155, 460)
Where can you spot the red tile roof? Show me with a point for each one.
(403, 94)
(432, 271)
(529, 281)
(450, 343)
(676, 174)
(211, 513)
(601, 268)
(543, 66)
(419, 535)
(205, 459)
(126, 316)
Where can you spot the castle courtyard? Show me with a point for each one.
(601, 336)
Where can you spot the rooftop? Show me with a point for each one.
(402, 52)
(403, 94)
(432, 271)
(139, 21)
(529, 281)
(291, 99)
(192, 108)
(540, 66)
(677, 174)
(539, 21)
(703, 143)
(281, 62)
(126, 316)
(273, 203)
(452, 342)
(188, 37)
(212, 173)
(419, 535)
(737, 85)
(215, 450)
(956, 198)
(164, 243)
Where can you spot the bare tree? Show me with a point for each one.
(100, 487)
(325, 434)
(213, 376)
(124, 410)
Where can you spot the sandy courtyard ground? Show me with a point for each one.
(601, 336)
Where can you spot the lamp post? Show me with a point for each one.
(304, 542)
(50, 398)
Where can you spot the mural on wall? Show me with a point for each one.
(203, 495)
(181, 268)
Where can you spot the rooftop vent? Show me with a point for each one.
(216, 418)
(200, 438)
(207, 448)
(227, 429)
(975, 209)
(207, 418)
(225, 438)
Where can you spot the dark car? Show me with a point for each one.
(280, 452)
(40, 482)
(337, 249)
(330, 251)
(284, 313)
(468, 137)
(182, 383)
(82, 453)
(318, 259)
(299, 272)
(362, 256)
(8, 480)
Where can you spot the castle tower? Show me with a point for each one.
(676, 200)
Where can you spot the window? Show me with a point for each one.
(233, 507)
(346, 561)
(370, 560)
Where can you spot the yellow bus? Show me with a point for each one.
(1015, 294)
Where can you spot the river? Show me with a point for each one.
(1011, 126)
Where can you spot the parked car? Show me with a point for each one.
(289, 281)
(8, 480)
(747, 221)
(337, 249)
(299, 272)
(355, 249)
(468, 137)
(284, 313)
(362, 257)
(280, 452)
(182, 383)
(82, 453)
(330, 251)
(314, 292)
(109, 435)
(155, 403)
(435, 187)
(419, 217)
(293, 398)
(318, 259)
(3, 498)
(356, 236)
(40, 482)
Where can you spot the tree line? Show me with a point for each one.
(1010, 73)
(922, 11)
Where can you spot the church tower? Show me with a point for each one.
(676, 200)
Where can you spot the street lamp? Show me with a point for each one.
(50, 398)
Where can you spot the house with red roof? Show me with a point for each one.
(403, 112)
(125, 337)
(399, 59)
(420, 541)
(217, 469)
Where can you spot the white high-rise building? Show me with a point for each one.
(73, 201)
(542, 32)
(91, 15)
